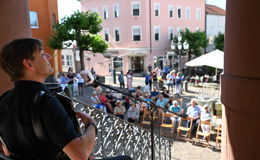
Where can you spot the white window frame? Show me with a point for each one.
(68, 60)
(179, 7)
(120, 61)
(105, 12)
(198, 14)
(31, 14)
(187, 13)
(170, 30)
(140, 29)
(155, 29)
(106, 31)
(132, 8)
(116, 10)
(157, 6)
(171, 8)
(179, 29)
(115, 29)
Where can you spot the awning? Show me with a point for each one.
(213, 59)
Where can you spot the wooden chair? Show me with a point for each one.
(218, 137)
(200, 132)
(146, 119)
(165, 117)
(183, 128)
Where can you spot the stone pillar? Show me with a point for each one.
(241, 81)
(14, 23)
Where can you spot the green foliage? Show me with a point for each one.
(197, 42)
(219, 41)
(82, 28)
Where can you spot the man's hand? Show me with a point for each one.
(85, 118)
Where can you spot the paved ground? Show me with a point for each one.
(181, 150)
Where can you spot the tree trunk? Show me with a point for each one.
(81, 54)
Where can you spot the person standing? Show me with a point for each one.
(93, 72)
(80, 84)
(25, 61)
(155, 81)
(121, 80)
(70, 77)
(170, 79)
(178, 81)
(129, 78)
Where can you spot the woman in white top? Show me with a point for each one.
(205, 115)
(129, 77)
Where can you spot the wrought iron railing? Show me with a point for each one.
(118, 137)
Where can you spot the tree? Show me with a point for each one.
(197, 42)
(81, 28)
(219, 41)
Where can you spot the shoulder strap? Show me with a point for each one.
(36, 116)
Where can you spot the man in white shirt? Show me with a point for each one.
(193, 112)
(87, 76)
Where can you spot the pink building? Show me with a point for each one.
(139, 32)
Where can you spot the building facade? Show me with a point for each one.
(139, 32)
(43, 15)
(215, 23)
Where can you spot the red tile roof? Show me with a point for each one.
(211, 9)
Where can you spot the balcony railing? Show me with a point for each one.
(118, 137)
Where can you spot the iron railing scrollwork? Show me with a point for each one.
(119, 137)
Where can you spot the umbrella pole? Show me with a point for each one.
(216, 72)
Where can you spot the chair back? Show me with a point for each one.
(185, 119)
(166, 116)
(146, 117)
(206, 123)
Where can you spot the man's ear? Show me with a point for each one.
(27, 64)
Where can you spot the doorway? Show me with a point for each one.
(137, 64)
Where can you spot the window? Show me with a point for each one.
(198, 14)
(136, 8)
(63, 60)
(178, 30)
(157, 33)
(187, 12)
(171, 11)
(170, 33)
(116, 10)
(53, 19)
(136, 33)
(117, 35)
(105, 12)
(94, 10)
(34, 19)
(179, 12)
(118, 64)
(106, 34)
(69, 60)
(156, 9)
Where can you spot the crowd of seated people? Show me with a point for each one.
(132, 110)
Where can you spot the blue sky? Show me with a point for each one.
(67, 7)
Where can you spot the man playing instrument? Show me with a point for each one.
(28, 65)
